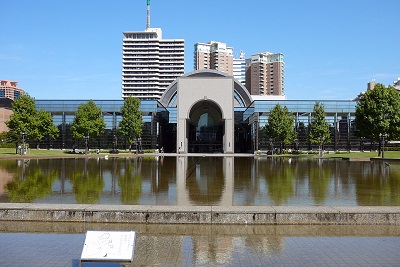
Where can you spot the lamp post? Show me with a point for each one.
(86, 137)
(23, 136)
(140, 145)
(271, 145)
(362, 144)
(115, 145)
(296, 145)
(383, 138)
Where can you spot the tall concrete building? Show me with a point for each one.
(213, 55)
(265, 74)
(396, 84)
(10, 90)
(149, 63)
(239, 68)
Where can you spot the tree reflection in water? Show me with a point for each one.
(87, 182)
(34, 183)
(378, 184)
(130, 181)
(280, 178)
(240, 181)
(319, 176)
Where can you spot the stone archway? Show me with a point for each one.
(205, 128)
(222, 93)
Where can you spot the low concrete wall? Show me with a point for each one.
(264, 215)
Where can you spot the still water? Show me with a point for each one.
(60, 244)
(55, 244)
(227, 181)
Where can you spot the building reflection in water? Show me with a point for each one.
(202, 181)
(223, 181)
(221, 250)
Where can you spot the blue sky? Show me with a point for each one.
(72, 49)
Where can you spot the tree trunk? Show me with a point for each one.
(379, 148)
(320, 150)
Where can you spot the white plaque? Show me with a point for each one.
(109, 246)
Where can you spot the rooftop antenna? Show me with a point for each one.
(148, 15)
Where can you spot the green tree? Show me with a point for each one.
(378, 112)
(44, 126)
(319, 127)
(131, 124)
(26, 118)
(88, 121)
(280, 125)
(23, 117)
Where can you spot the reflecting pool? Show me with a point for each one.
(60, 244)
(225, 181)
(55, 244)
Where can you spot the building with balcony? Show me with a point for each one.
(213, 55)
(265, 74)
(150, 64)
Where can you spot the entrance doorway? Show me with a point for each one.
(206, 128)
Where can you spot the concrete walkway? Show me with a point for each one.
(251, 215)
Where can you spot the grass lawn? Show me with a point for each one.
(388, 154)
(4, 152)
(10, 152)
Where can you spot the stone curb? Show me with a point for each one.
(148, 214)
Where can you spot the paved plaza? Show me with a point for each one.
(60, 244)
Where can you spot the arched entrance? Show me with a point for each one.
(202, 104)
(205, 128)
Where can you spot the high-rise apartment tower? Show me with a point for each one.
(265, 74)
(149, 63)
(213, 55)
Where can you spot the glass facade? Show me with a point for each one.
(340, 116)
(63, 113)
(159, 124)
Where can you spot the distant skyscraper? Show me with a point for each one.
(213, 55)
(265, 74)
(239, 68)
(396, 84)
(149, 63)
(371, 85)
(10, 90)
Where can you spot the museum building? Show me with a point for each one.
(205, 111)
